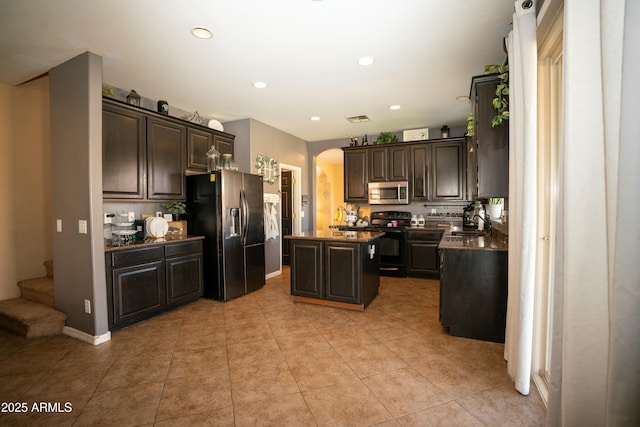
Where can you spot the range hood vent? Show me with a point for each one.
(359, 119)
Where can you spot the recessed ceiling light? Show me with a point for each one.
(259, 85)
(314, 118)
(366, 60)
(201, 33)
(394, 107)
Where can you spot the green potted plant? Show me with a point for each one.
(501, 101)
(386, 138)
(494, 209)
(176, 209)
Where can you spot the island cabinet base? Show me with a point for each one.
(338, 274)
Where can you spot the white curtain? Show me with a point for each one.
(522, 193)
(595, 367)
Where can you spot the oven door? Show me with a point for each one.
(392, 253)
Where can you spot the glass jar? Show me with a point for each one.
(213, 159)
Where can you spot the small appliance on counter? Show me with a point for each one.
(473, 216)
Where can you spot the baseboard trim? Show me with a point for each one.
(274, 274)
(83, 336)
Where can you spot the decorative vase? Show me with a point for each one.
(494, 211)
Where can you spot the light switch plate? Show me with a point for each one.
(82, 226)
(59, 225)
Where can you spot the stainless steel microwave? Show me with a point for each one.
(389, 193)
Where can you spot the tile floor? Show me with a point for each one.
(264, 360)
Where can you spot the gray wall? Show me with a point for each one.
(253, 138)
(76, 173)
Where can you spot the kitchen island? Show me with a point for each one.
(473, 284)
(335, 268)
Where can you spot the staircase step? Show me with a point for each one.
(31, 319)
(39, 289)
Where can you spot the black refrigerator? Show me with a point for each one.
(227, 208)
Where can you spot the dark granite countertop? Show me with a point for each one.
(337, 236)
(151, 242)
(486, 241)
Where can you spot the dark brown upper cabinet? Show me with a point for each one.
(448, 159)
(124, 156)
(388, 163)
(355, 175)
(491, 144)
(165, 159)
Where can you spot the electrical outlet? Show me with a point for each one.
(87, 306)
(433, 210)
(59, 225)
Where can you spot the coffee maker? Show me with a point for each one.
(472, 214)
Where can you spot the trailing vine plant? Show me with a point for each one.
(501, 101)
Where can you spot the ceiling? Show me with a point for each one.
(305, 50)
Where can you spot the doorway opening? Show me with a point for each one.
(290, 207)
(329, 186)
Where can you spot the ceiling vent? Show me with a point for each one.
(358, 119)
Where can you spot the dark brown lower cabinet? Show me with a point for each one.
(145, 281)
(473, 293)
(342, 273)
(423, 255)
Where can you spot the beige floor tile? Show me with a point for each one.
(128, 371)
(192, 395)
(319, 369)
(254, 352)
(331, 407)
(69, 380)
(289, 410)
(305, 342)
(350, 336)
(13, 387)
(404, 391)
(247, 331)
(125, 406)
(30, 361)
(260, 382)
(290, 325)
(415, 349)
(198, 362)
(87, 353)
(504, 406)
(446, 415)
(371, 359)
(459, 377)
(215, 418)
(150, 344)
(193, 337)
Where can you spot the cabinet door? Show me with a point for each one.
(123, 153)
(424, 259)
(342, 272)
(307, 273)
(398, 161)
(492, 143)
(355, 176)
(184, 279)
(198, 143)
(378, 166)
(165, 153)
(224, 143)
(420, 170)
(448, 167)
(138, 292)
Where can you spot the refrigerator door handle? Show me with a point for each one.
(244, 215)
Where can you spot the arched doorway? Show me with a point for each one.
(329, 186)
